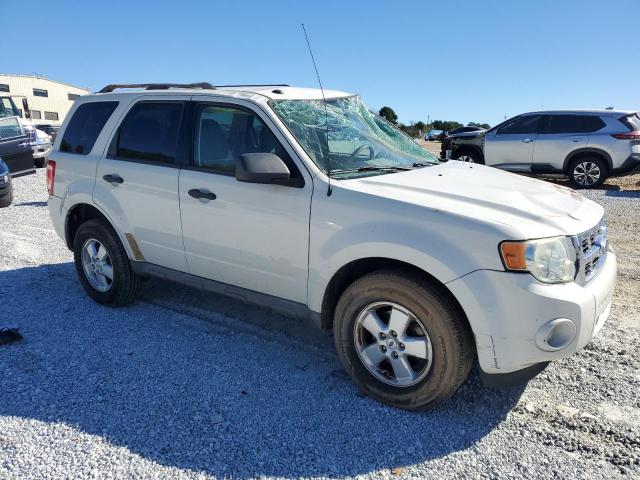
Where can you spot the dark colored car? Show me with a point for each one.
(466, 130)
(16, 156)
(51, 130)
(6, 190)
(465, 146)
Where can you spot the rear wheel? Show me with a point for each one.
(7, 199)
(587, 172)
(40, 162)
(103, 266)
(402, 340)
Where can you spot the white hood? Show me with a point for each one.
(529, 208)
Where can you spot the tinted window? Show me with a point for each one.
(85, 126)
(520, 125)
(4, 87)
(150, 132)
(632, 122)
(38, 92)
(573, 124)
(224, 133)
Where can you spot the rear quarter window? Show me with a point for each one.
(85, 126)
(632, 122)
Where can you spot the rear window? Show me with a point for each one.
(85, 126)
(573, 124)
(631, 121)
(150, 133)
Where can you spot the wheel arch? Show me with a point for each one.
(468, 148)
(587, 152)
(83, 212)
(352, 271)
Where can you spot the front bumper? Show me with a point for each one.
(42, 150)
(508, 311)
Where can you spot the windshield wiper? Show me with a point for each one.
(370, 168)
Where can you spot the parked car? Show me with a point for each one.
(42, 146)
(418, 266)
(16, 156)
(6, 190)
(466, 130)
(51, 130)
(586, 146)
(435, 135)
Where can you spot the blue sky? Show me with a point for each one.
(453, 60)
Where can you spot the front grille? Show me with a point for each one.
(592, 250)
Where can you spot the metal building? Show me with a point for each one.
(49, 100)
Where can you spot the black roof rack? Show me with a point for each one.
(157, 86)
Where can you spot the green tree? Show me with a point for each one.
(388, 114)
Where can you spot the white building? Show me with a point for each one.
(49, 100)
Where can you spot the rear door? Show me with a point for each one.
(560, 134)
(137, 179)
(511, 145)
(15, 148)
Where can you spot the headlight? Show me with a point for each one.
(4, 179)
(550, 260)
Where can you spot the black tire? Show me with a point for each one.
(7, 199)
(452, 344)
(125, 284)
(39, 162)
(580, 167)
(470, 156)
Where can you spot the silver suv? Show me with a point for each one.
(586, 146)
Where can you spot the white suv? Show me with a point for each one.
(324, 210)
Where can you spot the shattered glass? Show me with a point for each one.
(342, 136)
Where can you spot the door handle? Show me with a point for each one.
(527, 140)
(201, 194)
(113, 178)
(576, 139)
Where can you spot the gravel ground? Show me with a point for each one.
(189, 385)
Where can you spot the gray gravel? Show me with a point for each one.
(189, 385)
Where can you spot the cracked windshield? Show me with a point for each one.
(348, 140)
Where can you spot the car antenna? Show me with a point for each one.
(326, 113)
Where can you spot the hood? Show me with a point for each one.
(523, 207)
(477, 133)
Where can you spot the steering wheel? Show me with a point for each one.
(359, 149)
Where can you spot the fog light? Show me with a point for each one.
(556, 334)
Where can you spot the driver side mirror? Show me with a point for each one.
(263, 168)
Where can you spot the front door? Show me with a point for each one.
(137, 180)
(511, 146)
(15, 148)
(248, 235)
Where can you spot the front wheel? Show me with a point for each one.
(402, 340)
(468, 156)
(40, 162)
(103, 266)
(587, 172)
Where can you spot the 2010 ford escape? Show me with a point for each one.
(327, 211)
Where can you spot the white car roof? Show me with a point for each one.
(259, 92)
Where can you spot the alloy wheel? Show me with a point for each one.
(393, 344)
(586, 173)
(97, 265)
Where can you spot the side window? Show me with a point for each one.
(521, 125)
(223, 133)
(150, 132)
(85, 126)
(558, 124)
(9, 128)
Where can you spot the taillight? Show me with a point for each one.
(627, 135)
(51, 175)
